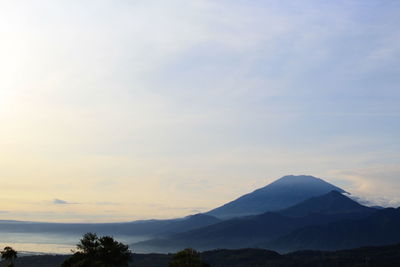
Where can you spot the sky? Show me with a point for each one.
(125, 110)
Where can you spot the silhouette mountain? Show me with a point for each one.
(380, 228)
(188, 223)
(281, 194)
(258, 230)
(331, 203)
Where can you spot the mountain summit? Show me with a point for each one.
(280, 194)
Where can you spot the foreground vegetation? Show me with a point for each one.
(383, 256)
(94, 251)
(9, 254)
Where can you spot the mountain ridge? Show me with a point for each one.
(332, 203)
(278, 195)
(249, 231)
(379, 228)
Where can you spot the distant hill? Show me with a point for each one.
(188, 223)
(380, 228)
(254, 231)
(331, 203)
(233, 233)
(382, 256)
(281, 194)
(137, 228)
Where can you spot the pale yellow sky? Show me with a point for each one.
(122, 110)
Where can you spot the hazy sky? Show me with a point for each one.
(121, 110)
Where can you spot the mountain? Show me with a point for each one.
(331, 203)
(380, 228)
(188, 223)
(233, 233)
(281, 194)
(256, 230)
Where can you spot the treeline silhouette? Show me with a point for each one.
(379, 256)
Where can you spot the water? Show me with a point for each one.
(50, 243)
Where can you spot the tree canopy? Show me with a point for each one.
(9, 254)
(187, 258)
(94, 251)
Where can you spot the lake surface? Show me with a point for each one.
(50, 243)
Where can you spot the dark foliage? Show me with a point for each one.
(384, 256)
(9, 254)
(94, 251)
(187, 258)
(38, 261)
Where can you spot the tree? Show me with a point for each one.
(94, 251)
(9, 254)
(187, 258)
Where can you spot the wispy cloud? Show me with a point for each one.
(376, 184)
(58, 201)
(193, 101)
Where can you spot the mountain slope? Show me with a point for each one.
(238, 233)
(188, 223)
(233, 233)
(380, 228)
(331, 203)
(251, 231)
(281, 194)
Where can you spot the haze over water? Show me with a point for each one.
(50, 242)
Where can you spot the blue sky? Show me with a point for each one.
(119, 110)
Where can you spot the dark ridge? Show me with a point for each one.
(378, 256)
(332, 203)
(283, 193)
(380, 228)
